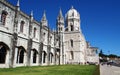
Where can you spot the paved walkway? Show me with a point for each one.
(109, 70)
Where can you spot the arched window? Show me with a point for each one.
(72, 28)
(59, 29)
(34, 33)
(50, 39)
(22, 26)
(71, 42)
(44, 34)
(72, 54)
(73, 14)
(43, 37)
(3, 17)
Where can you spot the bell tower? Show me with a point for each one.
(60, 30)
(74, 41)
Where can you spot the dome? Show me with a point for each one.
(72, 13)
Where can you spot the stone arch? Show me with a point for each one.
(20, 54)
(44, 56)
(51, 57)
(57, 58)
(35, 52)
(71, 55)
(3, 52)
(71, 26)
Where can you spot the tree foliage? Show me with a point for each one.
(101, 54)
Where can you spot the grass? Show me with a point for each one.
(52, 70)
(97, 71)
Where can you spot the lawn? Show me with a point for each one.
(51, 70)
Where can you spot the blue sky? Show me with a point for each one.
(100, 19)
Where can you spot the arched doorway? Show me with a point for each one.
(35, 55)
(20, 54)
(44, 56)
(3, 52)
(57, 58)
(51, 57)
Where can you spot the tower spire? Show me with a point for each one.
(44, 19)
(60, 22)
(18, 3)
(44, 16)
(60, 14)
(72, 7)
(31, 14)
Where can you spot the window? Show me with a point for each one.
(72, 54)
(43, 34)
(50, 39)
(34, 33)
(73, 14)
(3, 17)
(59, 29)
(71, 42)
(71, 27)
(43, 37)
(22, 26)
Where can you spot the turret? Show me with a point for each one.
(44, 21)
(18, 5)
(31, 15)
(60, 29)
(73, 20)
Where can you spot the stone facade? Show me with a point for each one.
(26, 42)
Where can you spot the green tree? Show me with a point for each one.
(101, 53)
